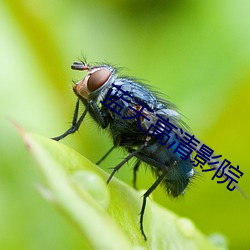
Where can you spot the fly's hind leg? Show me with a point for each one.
(135, 169)
(145, 196)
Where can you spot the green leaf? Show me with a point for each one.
(107, 215)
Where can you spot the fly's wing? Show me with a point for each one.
(226, 173)
(171, 118)
(175, 118)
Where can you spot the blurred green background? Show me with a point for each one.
(195, 52)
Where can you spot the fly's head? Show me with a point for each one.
(97, 79)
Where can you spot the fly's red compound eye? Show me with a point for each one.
(97, 79)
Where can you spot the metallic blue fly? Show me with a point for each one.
(148, 127)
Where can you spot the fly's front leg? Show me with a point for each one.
(75, 123)
(97, 114)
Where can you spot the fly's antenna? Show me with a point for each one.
(80, 66)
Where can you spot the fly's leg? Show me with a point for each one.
(75, 124)
(145, 196)
(97, 114)
(91, 107)
(124, 161)
(105, 155)
(136, 167)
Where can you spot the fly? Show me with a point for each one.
(139, 121)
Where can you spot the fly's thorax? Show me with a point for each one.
(96, 82)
